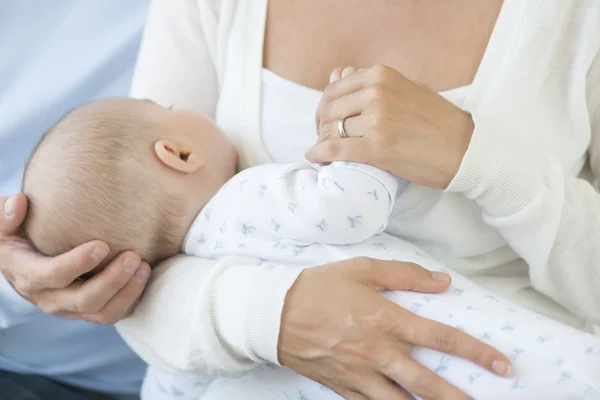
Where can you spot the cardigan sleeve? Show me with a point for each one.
(197, 316)
(549, 217)
(176, 62)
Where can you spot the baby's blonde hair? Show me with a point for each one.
(92, 176)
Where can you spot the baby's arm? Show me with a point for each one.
(342, 203)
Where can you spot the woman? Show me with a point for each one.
(503, 172)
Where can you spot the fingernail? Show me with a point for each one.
(142, 275)
(98, 254)
(348, 71)
(440, 276)
(9, 207)
(130, 265)
(334, 75)
(502, 368)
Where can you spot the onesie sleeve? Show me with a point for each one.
(340, 203)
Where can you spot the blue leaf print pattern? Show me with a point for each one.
(564, 377)
(508, 326)
(218, 245)
(279, 246)
(201, 240)
(373, 194)
(223, 228)
(458, 292)
(175, 391)
(486, 336)
(543, 338)
(247, 230)
(355, 222)
(207, 213)
(519, 384)
(492, 297)
(416, 307)
(590, 351)
(276, 226)
(241, 246)
(471, 308)
(322, 225)
(297, 251)
(380, 246)
(261, 190)
(285, 175)
(474, 376)
(292, 208)
(302, 395)
(242, 184)
(303, 186)
(516, 353)
(442, 365)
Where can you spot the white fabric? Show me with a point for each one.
(517, 199)
(301, 215)
(287, 135)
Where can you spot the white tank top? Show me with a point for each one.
(288, 116)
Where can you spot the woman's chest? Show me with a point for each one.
(438, 44)
(446, 225)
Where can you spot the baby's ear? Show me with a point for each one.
(178, 157)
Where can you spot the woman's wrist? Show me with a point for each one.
(501, 172)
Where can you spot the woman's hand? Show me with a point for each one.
(336, 329)
(394, 124)
(51, 283)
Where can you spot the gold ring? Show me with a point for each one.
(341, 129)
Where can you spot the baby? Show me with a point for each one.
(152, 180)
(127, 171)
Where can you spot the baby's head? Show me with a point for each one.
(125, 171)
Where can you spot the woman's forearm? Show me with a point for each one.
(205, 318)
(548, 216)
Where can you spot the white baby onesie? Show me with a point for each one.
(307, 215)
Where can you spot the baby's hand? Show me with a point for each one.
(340, 73)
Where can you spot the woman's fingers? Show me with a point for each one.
(122, 303)
(397, 275)
(335, 75)
(356, 149)
(378, 75)
(380, 387)
(347, 107)
(420, 381)
(443, 338)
